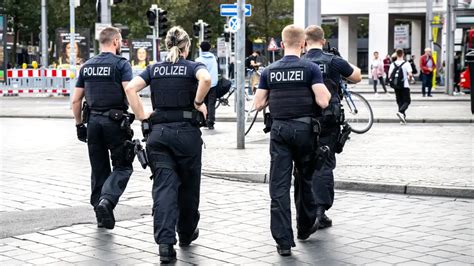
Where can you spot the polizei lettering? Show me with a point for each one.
(100, 71)
(286, 75)
(170, 70)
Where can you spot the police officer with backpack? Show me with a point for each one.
(400, 74)
(294, 90)
(332, 68)
(174, 146)
(102, 80)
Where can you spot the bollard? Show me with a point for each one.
(470, 62)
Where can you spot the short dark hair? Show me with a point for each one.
(205, 46)
(108, 34)
(399, 52)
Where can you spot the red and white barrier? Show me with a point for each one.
(37, 73)
(10, 91)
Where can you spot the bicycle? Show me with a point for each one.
(360, 116)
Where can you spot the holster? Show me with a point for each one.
(321, 156)
(146, 129)
(86, 112)
(127, 120)
(342, 138)
(141, 153)
(268, 121)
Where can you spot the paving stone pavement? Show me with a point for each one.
(43, 167)
(369, 228)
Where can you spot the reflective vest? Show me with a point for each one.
(102, 89)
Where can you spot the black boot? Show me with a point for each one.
(322, 220)
(284, 250)
(105, 214)
(99, 220)
(304, 234)
(167, 253)
(183, 242)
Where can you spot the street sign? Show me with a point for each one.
(221, 51)
(229, 10)
(272, 46)
(234, 24)
(401, 37)
(99, 27)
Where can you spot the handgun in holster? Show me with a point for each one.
(86, 111)
(268, 121)
(146, 129)
(342, 138)
(321, 156)
(141, 153)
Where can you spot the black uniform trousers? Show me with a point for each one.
(174, 152)
(323, 180)
(104, 135)
(210, 101)
(290, 141)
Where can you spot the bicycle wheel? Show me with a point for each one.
(358, 113)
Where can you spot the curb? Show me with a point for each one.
(397, 188)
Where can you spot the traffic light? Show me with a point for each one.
(196, 29)
(207, 31)
(162, 22)
(226, 36)
(151, 15)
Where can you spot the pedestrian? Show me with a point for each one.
(457, 74)
(377, 72)
(427, 66)
(334, 67)
(400, 73)
(386, 65)
(295, 93)
(102, 80)
(174, 147)
(208, 59)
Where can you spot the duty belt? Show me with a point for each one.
(307, 120)
(312, 122)
(106, 113)
(169, 116)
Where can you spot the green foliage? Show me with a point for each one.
(267, 20)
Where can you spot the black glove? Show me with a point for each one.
(81, 132)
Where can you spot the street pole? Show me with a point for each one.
(240, 66)
(449, 47)
(428, 19)
(155, 33)
(312, 12)
(72, 56)
(201, 34)
(105, 12)
(44, 35)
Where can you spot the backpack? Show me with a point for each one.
(397, 79)
(223, 87)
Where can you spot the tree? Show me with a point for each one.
(268, 19)
(25, 15)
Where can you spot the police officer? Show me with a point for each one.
(295, 92)
(102, 80)
(332, 68)
(178, 88)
